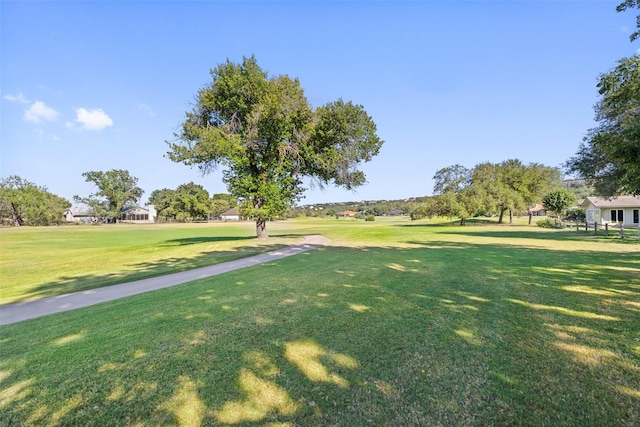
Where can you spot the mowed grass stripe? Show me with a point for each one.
(400, 325)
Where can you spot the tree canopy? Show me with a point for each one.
(454, 194)
(451, 179)
(262, 131)
(512, 185)
(558, 200)
(186, 203)
(117, 190)
(487, 188)
(189, 202)
(609, 156)
(163, 201)
(221, 203)
(630, 4)
(24, 203)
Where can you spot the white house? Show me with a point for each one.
(139, 215)
(232, 214)
(621, 210)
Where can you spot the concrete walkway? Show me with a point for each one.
(12, 313)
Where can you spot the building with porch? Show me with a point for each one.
(140, 215)
(79, 216)
(621, 210)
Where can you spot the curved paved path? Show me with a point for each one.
(12, 313)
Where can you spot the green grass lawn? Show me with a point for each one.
(39, 262)
(394, 323)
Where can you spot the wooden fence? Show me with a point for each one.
(623, 231)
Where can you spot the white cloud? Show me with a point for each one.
(39, 112)
(95, 119)
(17, 98)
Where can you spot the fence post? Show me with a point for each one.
(595, 228)
(606, 229)
(621, 231)
(586, 226)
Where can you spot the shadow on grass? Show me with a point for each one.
(565, 234)
(203, 239)
(442, 333)
(138, 271)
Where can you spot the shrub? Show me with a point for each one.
(576, 214)
(370, 218)
(544, 223)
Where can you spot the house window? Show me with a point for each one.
(617, 215)
(636, 216)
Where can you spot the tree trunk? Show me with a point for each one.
(463, 221)
(261, 223)
(501, 216)
(261, 229)
(510, 217)
(17, 219)
(530, 218)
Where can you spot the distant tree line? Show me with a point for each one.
(190, 202)
(25, 203)
(560, 199)
(488, 189)
(369, 207)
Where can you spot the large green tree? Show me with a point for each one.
(25, 203)
(191, 201)
(163, 200)
(511, 185)
(451, 179)
(490, 188)
(558, 200)
(454, 194)
(264, 134)
(185, 203)
(609, 156)
(117, 190)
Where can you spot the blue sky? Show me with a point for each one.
(99, 85)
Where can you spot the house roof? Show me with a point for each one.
(135, 209)
(78, 212)
(537, 208)
(230, 212)
(615, 202)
